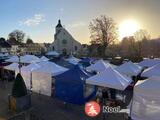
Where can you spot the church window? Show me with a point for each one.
(53, 48)
(64, 41)
(75, 47)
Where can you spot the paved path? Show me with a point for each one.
(50, 108)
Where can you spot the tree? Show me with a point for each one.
(29, 41)
(141, 37)
(2, 39)
(103, 31)
(19, 88)
(17, 35)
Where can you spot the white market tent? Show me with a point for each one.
(129, 69)
(152, 71)
(4, 55)
(99, 66)
(26, 72)
(42, 77)
(51, 68)
(43, 58)
(13, 59)
(107, 62)
(29, 59)
(52, 53)
(146, 100)
(12, 67)
(149, 62)
(73, 60)
(24, 59)
(110, 78)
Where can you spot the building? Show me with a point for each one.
(64, 43)
(4, 46)
(33, 49)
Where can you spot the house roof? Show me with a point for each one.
(4, 44)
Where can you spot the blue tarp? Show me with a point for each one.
(69, 86)
(63, 63)
(85, 62)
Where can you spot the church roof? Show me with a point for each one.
(59, 24)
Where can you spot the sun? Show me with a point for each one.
(128, 28)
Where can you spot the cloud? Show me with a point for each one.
(77, 24)
(35, 20)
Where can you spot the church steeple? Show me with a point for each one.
(59, 24)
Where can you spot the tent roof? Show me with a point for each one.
(129, 69)
(51, 68)
(43, 58)
(99, 66)
(53, 53)
(29, 59)
(24, 59)
(12, 59)
(152, 71)
(75, 74)
(73, 60)
(86, 59)
(150, 86)
(64, 63)
(13, 67)
(149, 62)
(110, 78)
(30, 67)
(4, 55)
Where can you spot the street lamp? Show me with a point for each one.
(19, 59)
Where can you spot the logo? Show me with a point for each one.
(92, 108)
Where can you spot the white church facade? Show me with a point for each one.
(64, 43)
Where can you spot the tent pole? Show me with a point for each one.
(131, 105)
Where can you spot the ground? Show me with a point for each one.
(47, 108)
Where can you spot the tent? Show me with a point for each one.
(112, 65)
(51, 68)
(12, 67)
(42, 77)
(43, 58)
(146, 100)
(129, 69)
(24, 59)
(149, 62)
(26, 73)
(152, 71)
(110, 78)
(70, 86)
(13, 59)
(29, 59)
(73, 60)
(86, 62)
(53, 53)
(64, 63)
(4, 55)
(99, 66)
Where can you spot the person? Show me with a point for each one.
(105, 95)
(98, 95)
(113, 93)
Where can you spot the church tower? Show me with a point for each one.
(58, 26)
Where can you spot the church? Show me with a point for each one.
(64, 43)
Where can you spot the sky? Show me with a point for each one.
(38, 18)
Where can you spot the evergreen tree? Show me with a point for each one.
(19, 88)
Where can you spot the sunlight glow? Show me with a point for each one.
(128, 28)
